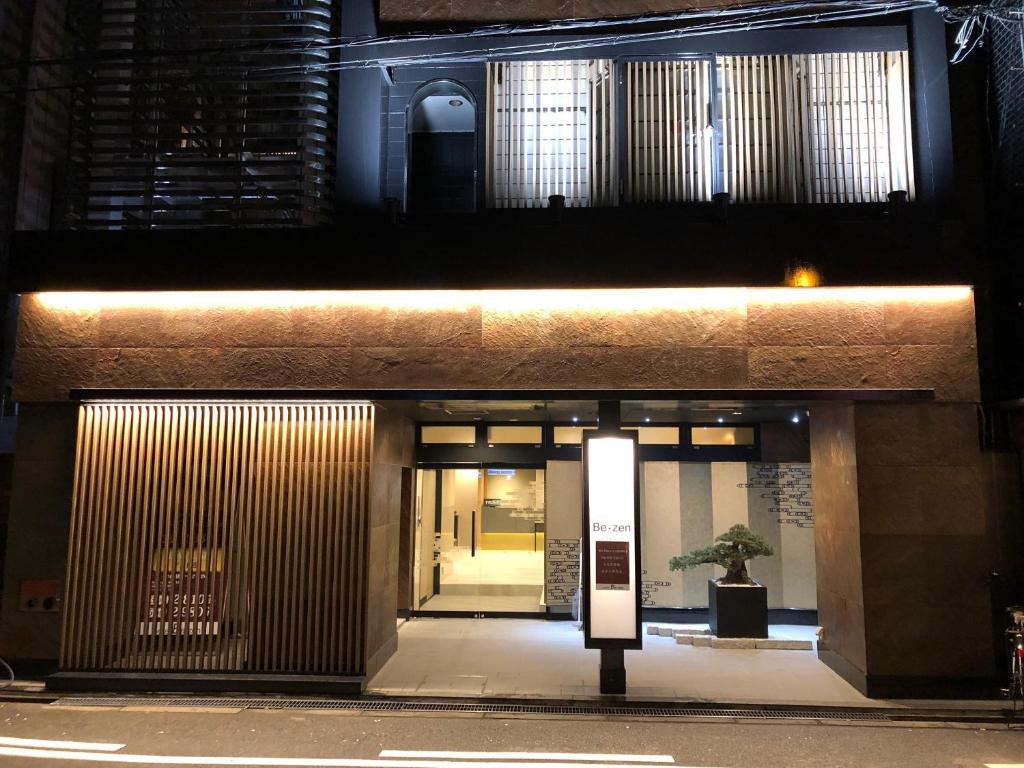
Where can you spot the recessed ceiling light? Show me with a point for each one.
(575, 418)
(647, 419)
(737, 413)
(721, 420)
(455, 102)
(796, 418)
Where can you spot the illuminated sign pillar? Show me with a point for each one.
(611, 545)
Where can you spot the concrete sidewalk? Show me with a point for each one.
(537, 659)
(544, 661)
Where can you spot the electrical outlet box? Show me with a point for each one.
(39, 596)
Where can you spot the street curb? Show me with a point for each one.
(608, 707)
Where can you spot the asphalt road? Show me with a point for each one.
(160, 736)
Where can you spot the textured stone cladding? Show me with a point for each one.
(533, 10)
(629, 339)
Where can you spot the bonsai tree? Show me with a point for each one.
(731, 550)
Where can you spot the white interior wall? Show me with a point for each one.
(685, 505)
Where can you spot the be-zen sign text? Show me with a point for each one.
(611, 556)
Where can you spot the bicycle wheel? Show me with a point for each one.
(1017, 681)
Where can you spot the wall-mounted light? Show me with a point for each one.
(803, 276)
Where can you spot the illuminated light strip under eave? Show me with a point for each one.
(283, 401)
(513, 301)
(10, 741)
(310, 762)
(428, 753)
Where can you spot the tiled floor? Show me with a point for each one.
(538, 658)
(509, 581)
(492, 566)
(485, 603)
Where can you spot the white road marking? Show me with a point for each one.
(305, 762)
(581, 756)
(98, 746)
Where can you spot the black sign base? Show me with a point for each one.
(613, 671)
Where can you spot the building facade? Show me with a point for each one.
(327, 312)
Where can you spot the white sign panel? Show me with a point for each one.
(613, 590)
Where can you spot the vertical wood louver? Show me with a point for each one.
(191, 113)
(225, 537)
(551, 131)
(815, 128)
(793, 128)
(670, 131)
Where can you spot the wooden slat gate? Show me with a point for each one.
(216, 536)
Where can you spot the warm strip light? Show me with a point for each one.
(918, 294)
(306, 762)
(284, 401)
(526, 756)
(613, 300)
(10, 741)
(89, 301)
(513, 301)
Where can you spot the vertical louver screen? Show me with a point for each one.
(670, 131)
(551, 131)
(223, 537)
(200, 114)
(821, 128)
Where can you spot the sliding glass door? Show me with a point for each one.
(480, 540)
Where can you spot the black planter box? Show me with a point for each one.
(738, 610)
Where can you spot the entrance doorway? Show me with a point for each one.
(442, 149)
(480, 541)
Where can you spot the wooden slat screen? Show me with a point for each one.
(545, 119)
(223, 537)
(815, 128)
(669, 128)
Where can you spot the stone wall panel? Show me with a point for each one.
(951, 370)
(511, 10)
(704, 327)
(930, 323)
(384, 327)
(944, 501)
(906, 437)
(784, 367)
(812, 323)
(911, 584)
(722, 339)
(435, 11)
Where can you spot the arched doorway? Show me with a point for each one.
(442, 149)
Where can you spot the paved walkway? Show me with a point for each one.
(537, 658)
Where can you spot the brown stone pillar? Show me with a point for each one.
(903, 494)
(394, 446)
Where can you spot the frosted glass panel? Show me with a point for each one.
(569, 435)
(519, 434)
(722, 435)
(463, 434)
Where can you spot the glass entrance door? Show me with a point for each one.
(480, 540)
